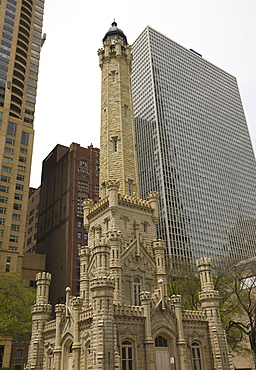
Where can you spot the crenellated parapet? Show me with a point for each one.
(190, 315)
(102, 282)
(86, 314)
(97, 208)
(50, 326)
(115, 49)
(128, 311)
(210, 295)
(44, 309)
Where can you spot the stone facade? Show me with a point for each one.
(123, 318)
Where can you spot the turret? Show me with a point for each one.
(41, 312)
(209, 299)
(159, 251)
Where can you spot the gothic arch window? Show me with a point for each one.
(49, 360)
(161, 342)
(87, 352)
(196, 356)
(127, 355)
(136, 291)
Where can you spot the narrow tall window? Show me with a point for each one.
(11, 130)
(196, 356)
(125, 111)
(113, 76)
(114, 139)
(136, 291)
(24, 138)
(130, 187)
(127, 355)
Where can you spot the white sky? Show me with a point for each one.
(68, 98)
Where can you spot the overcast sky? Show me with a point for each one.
(68, 95)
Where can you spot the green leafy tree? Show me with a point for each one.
(183, 279)
(16, 300)
(243, 288)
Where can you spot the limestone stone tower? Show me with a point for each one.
(118, 157)
(120, 261)
(209, 299)
(41, 312)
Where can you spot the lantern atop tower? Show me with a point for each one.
(114, 33)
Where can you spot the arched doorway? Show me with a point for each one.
(70, 357)
(162, 353)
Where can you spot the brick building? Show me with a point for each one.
(69, 175)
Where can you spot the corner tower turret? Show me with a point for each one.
(117, 156)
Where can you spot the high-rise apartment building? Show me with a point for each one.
(194, 148)
(21, 41)
(69, 175)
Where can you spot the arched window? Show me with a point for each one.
(161, 342)
(127, 355)
(136, 291)
(50, 360)
(196, 356)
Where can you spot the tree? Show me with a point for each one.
(183, 279)
(243, 288)
(16, 300)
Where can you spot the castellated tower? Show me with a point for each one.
(123, 318)
(117, 140)
(209, 299)
(41, 312)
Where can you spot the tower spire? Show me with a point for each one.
(117, 143)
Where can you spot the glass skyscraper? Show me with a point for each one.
(21, 41)
(193, 148)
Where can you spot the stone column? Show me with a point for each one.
(84, 277)
(76, 305)
(145, 298)
(181, 343)
(59, 311)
